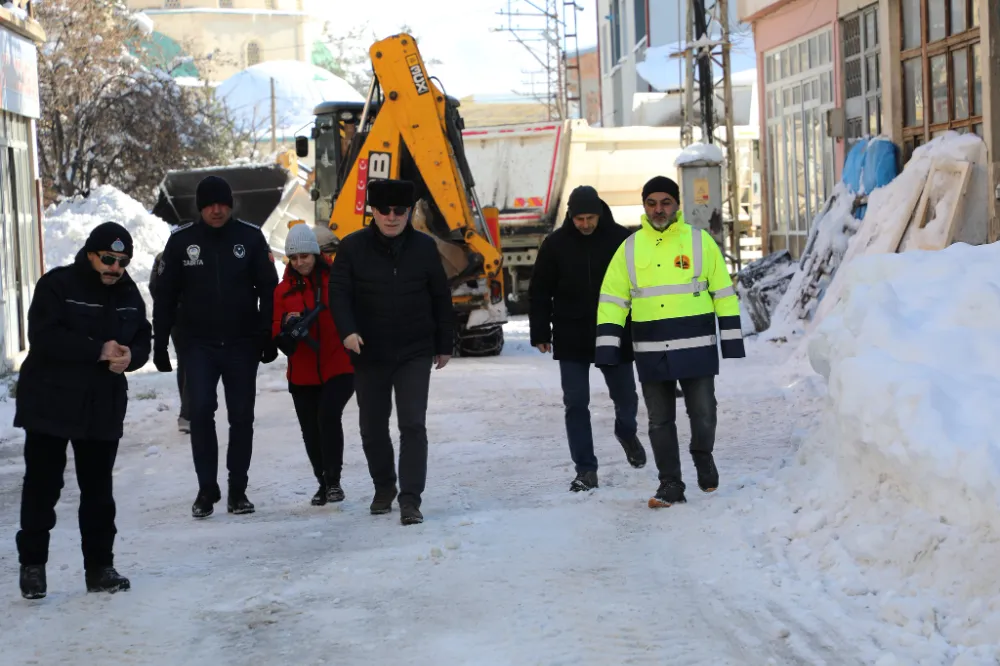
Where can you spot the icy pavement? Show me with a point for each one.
(509, 567)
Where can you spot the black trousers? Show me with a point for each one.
(44, 466)
(661, 404)
(375, 385)
(180, 352)
(236, 364)
(319, 409)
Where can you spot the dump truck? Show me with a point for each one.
(407, 128)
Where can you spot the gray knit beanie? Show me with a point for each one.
(301, 240)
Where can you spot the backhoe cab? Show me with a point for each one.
(409, 129)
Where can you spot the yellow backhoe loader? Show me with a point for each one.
(408, 128)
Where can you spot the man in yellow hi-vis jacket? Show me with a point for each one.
(674, 280)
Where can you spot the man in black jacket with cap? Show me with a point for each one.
(391, 302)
(221, 269)
(565, 288)
(86, 327)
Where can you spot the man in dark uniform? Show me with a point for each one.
(86, 327)
(390, 299)
(184, 418)
(221, 269)
(565, 288)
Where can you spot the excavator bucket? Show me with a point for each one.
(266, 195)
(258, 190)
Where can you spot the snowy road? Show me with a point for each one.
(509, 567)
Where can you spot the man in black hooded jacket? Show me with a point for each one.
(86, 327)
(564, 292)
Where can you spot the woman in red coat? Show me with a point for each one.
(320, 376)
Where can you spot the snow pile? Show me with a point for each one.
(836, 226)
(15, 10)
(831, 232)
(700, 152)
(67, 226)
(144, 23)
(896, 499)
(298, 88)
(760, 286)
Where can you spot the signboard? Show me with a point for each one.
(18, 75)
(702, 194)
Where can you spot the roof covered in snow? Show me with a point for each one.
(298, 87)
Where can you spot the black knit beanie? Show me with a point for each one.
(213, 190)
(584, 200)
(664, 185)
(109, 237)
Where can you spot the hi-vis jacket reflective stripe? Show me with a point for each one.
(676, 284)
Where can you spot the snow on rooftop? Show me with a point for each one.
(299, 88)
(144, 23)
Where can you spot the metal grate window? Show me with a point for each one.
(862, 82)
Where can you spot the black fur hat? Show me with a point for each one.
(385, 192)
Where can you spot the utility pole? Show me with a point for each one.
(708, 45)
(274, 120)
(551, 39)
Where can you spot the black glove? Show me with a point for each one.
(286, 344)
(268, 352)
(161, 359)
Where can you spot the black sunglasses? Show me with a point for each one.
(110, 259)
(398, 210)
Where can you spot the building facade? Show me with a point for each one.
(589, 65)
(243, 32)
(20, 187)
(799, 69)
(623, 36)
(910, 70)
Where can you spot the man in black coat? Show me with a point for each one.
(184, 418)
(222, 270)
(86, 327)
(564, 292)
(391, 302)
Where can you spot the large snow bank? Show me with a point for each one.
(298, 88)
(896, 498)
(67, 226)
(837, 225)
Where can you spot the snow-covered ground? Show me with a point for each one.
(857, 521)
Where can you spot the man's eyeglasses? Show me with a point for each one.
(398, 210)
(110, 259)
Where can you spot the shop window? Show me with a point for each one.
(862, 79)
(941, 68)
(172, 4)
(798, 93)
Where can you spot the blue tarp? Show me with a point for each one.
(853, 165)
(869, 166)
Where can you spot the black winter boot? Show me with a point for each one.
(634, 453)
(410, 515)
(382, 502)
(106, 579)
(584, 481)
(319, 499)
(669, 493)
(33, 584)
(203, 506)
(708, 474)
(334, 493)
(238, 503)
